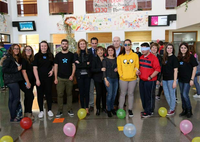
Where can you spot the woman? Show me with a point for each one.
(29, 80)
(43, 71)
(82, 61)
(193, 52)
(110, 76)
(97, 70)
(127, 65)
(154, 50)
(12, 75)
(170, 71)
(186, 73)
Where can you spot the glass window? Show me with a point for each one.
(184, 36)
(27, 8)
(57, 7)
(171, 4)
(5, 38)
(3, 6)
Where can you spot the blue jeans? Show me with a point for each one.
(112, 92)
(197, 85)
(169, 93)
(14, 98)
(184, 89)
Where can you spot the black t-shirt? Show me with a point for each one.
(139, 54)
(168, 68)
(29, 69)
(44, 65)
(185, 69)
(64, 61)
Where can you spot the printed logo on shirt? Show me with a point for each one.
(64, 60)
(125, 61)
(44, 57)
(181, 63)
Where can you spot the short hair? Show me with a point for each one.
(111, 46)
(94, 38)
(145, 44)
(151, 43)
(161, 43)
(64, 40)
(128, 40)
(99, 47)
(137, 47)
(1, 44)
(155, 44)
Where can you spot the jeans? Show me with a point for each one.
(91, 103)
(184, 89)
(169, 92)
(112, 92)
(14, 98)
(197, 85)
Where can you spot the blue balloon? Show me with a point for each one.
(129, 130)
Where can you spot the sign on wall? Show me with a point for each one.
(112, 6)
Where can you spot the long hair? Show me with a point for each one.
(49, 54)
(192, 49)
(31, 58)
(18, 56)
(124, 51)
(113, 48)
(79, 49)
(185, 58)
(155, 44)
(165, 56)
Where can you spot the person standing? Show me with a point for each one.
(138, 52)
(2, 54)
(127, 65)
(92, 51)
(83, 64)
(186, 73)
(12, 76)
(64, 70)
(170, 71)
(43, 71)
(149, 69)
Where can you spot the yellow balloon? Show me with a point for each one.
(6, 139)
(81, 113)
(162, 111)
(196, 139)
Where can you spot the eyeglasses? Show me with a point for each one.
(15, 48)
(27, 50)
(94, 43)
(127, 44)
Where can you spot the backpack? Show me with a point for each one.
(3, 53)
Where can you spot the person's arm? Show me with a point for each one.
(119, 67)
(28, 84)
(175, 77)
(73, 72)
(35, 71)
(94, 66)
(156, 67)
(193, 75)
(56, 73)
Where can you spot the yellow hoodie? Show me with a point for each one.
(127, 66)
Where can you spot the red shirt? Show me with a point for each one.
(161, 48)
(148, 65)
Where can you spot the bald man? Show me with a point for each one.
(116, 44)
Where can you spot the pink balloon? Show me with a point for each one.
(69, 129)
(186, 126)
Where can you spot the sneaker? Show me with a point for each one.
(59, 114)
(15, 120)
(145, 115)
(70, 112)
(50, 113)
(130, 113)
(41, 114)
(171, 112)
(157, 97)
(196, 96)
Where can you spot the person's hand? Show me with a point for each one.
(149, 78)
(56, 81)
(107, 83)
(115, 70)
(77, 62)
(174, 85)
(157, 82)
(50, 73)
(161, 83)
(88, 63)
(19, 68)
(28, 85)
(103, 69)
(138, 72)
(191, 82)
(38, 83)
(71, 78)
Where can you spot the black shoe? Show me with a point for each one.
(183, 113)
(113, 112)
(59, 114)
(91, 108)
(130, 113)
(109, 113)
(98, 112)
(104, 110)
(189, 113)
(70, 112)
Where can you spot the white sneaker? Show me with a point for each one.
(50, 113)
(195, 96)
(41, 114)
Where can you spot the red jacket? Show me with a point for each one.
(148, 65)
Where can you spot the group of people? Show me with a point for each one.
(112, 72)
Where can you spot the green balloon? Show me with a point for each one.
(6, 139)
(121, 113)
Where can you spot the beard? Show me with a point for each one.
(64, 48)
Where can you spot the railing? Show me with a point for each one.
(58, 7)
(27, 8)
(3, 7)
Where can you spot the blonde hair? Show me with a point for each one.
(79, 49)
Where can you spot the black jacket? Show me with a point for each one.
(160, 62)
(96, 69)
(10, 70)
(82, 66)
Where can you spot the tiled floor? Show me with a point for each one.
(101, 128)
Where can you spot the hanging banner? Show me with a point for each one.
(3, 24)
(112, 6)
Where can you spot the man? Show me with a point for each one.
(116, 44)
(64, 69)
(2, 53)
(92, 50)
(149, 68)
(138, 52)
(161, 49)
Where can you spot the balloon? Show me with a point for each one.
(121, 113)
(6, 139)
(81, 113)
(129, 130)
(162, 111)
(69, 129)
(196, 139)
(186, 126)
(26, 123)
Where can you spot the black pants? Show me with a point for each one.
(28, 101)
(45, 88)
(160, 90)
(101, 94)
(84, 87)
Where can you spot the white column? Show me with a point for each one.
(79, 7)
(158, 5)
(158, 33)
(80, 35)
(120, 34)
